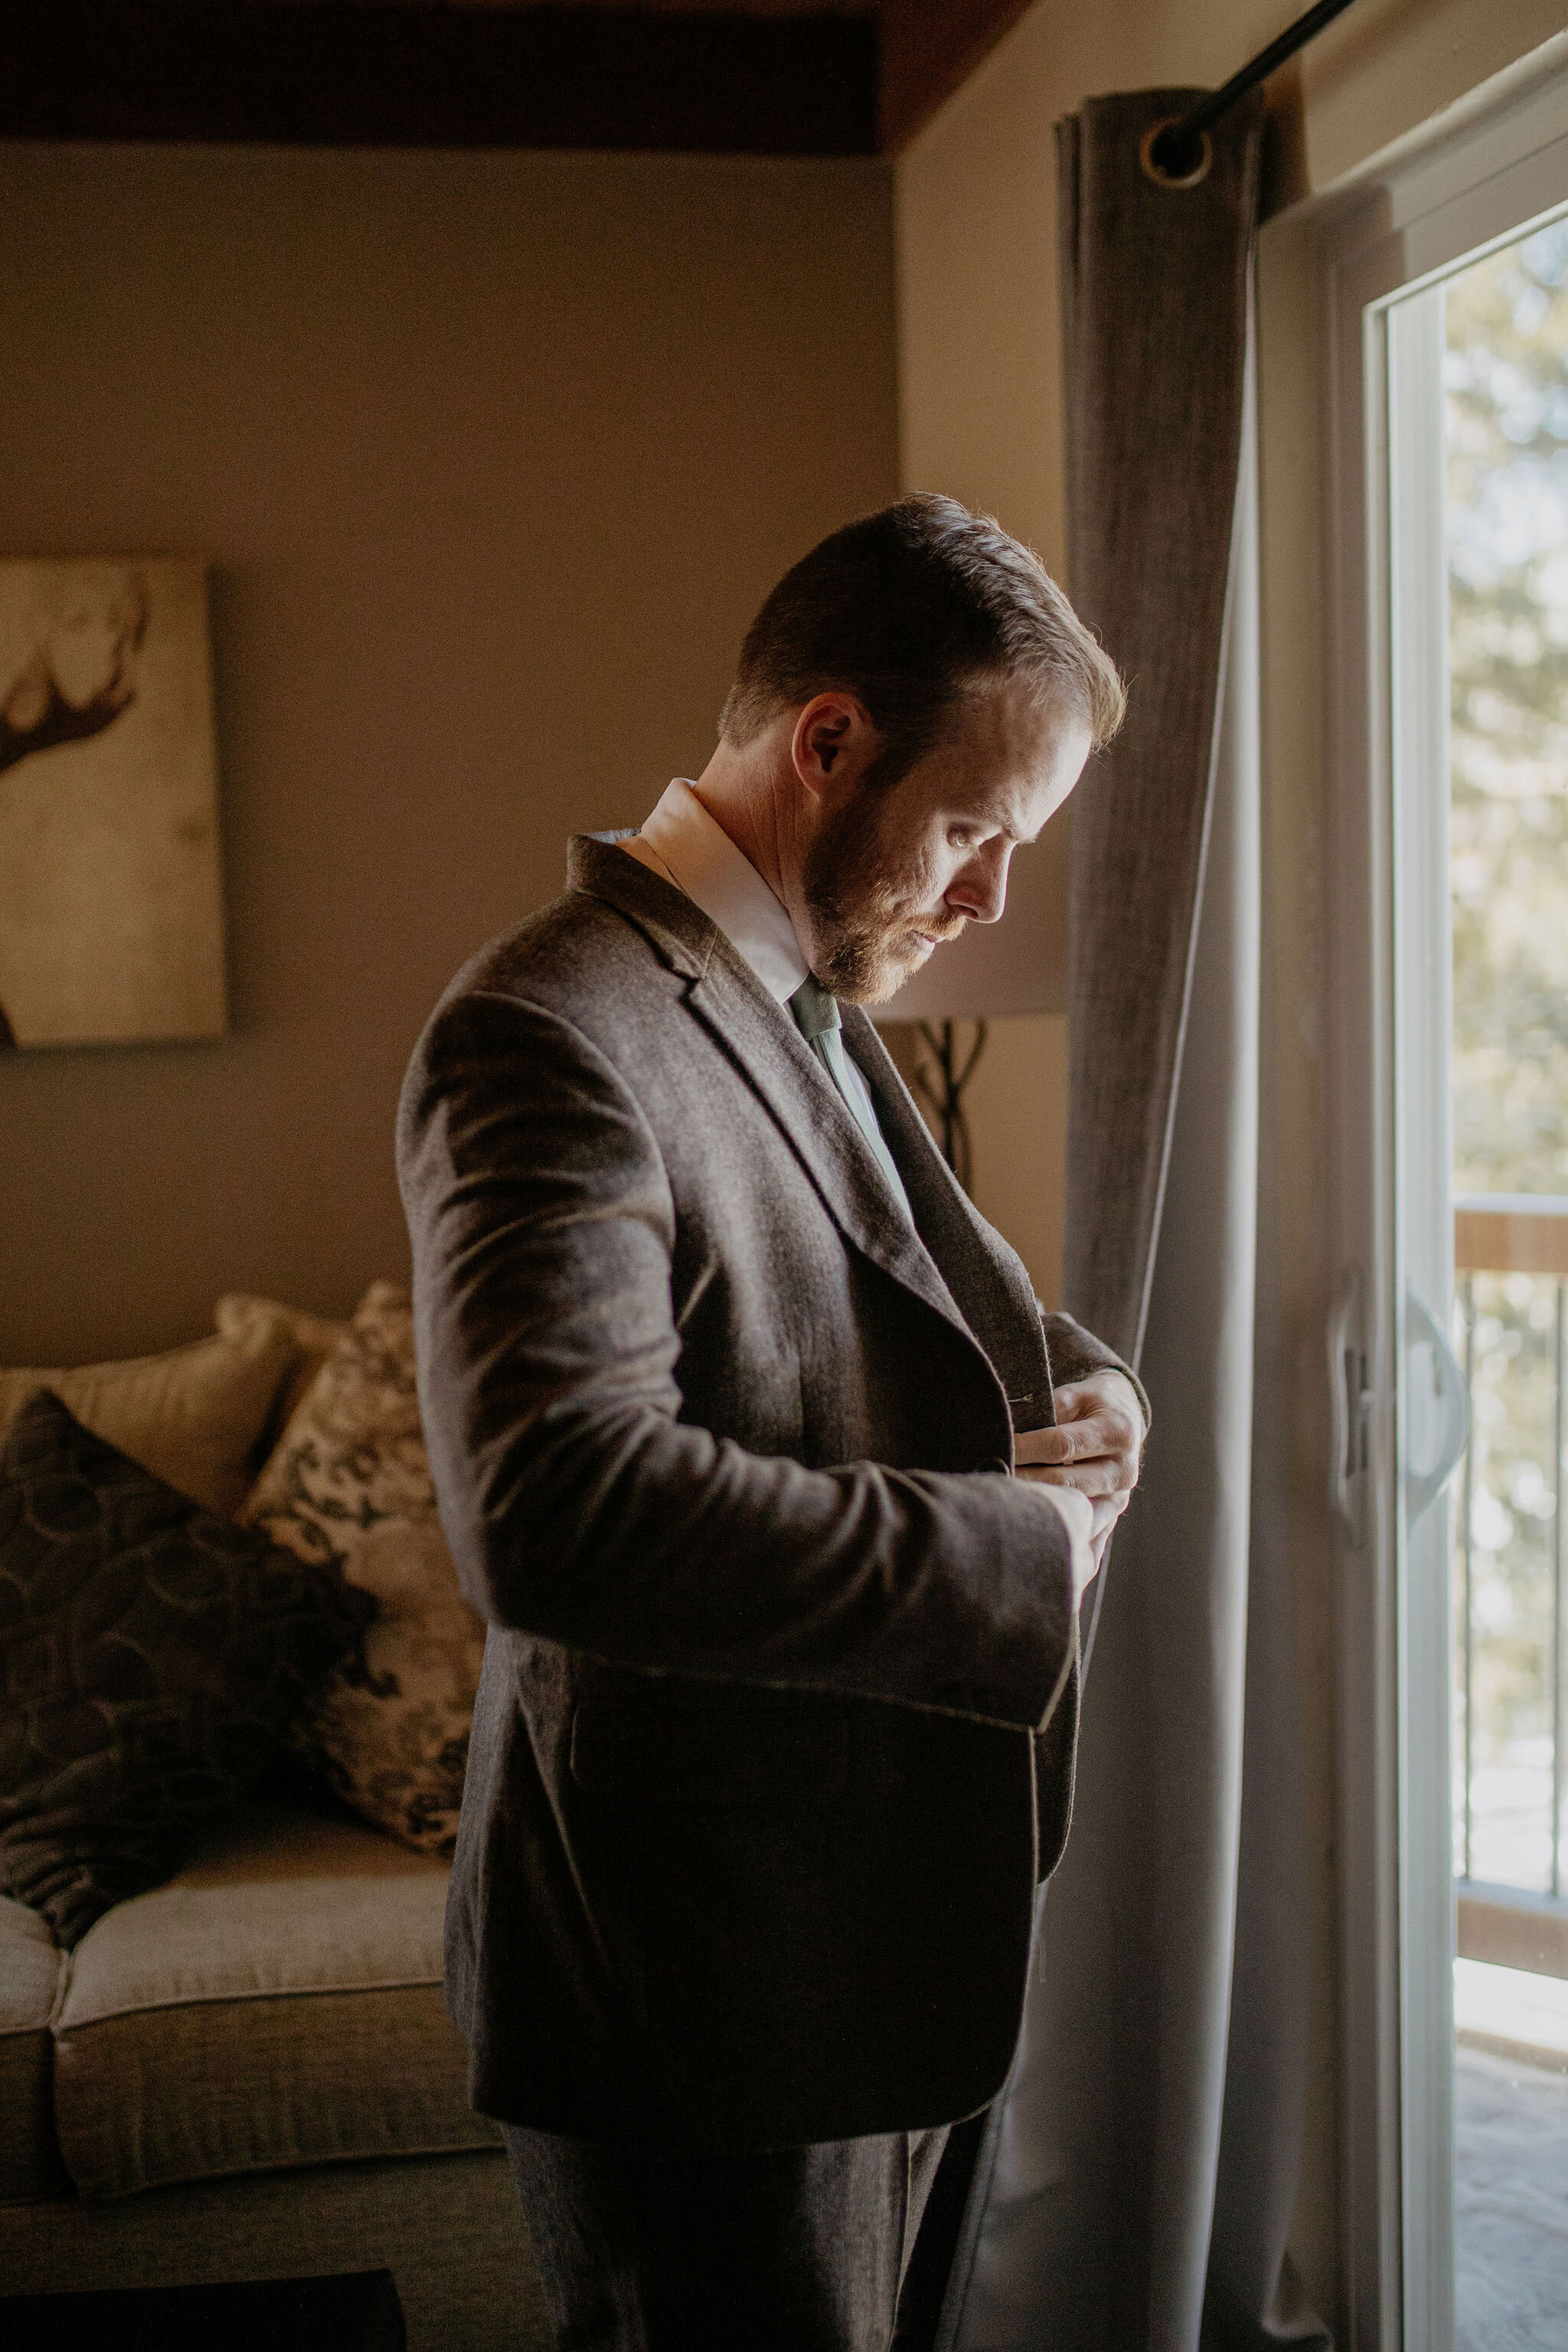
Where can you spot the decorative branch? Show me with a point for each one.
(945, 1094)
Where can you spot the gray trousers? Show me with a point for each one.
(649, 2249)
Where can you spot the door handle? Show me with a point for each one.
(1451, 1433)
(1350, 1411)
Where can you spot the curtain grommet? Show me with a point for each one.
(1152, 168)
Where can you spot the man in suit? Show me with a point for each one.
(778, 1493)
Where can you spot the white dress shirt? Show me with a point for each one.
(687, 846)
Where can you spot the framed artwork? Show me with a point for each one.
(110, 895)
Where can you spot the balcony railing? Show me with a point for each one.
(1510, 1742)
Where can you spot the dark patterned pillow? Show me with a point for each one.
(151, 1657)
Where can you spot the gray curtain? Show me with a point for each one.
(1138, 2184)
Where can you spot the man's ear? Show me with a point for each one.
(834, 742)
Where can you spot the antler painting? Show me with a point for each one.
(110, 910)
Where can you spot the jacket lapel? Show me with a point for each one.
(991, 1286)
(760, 1037)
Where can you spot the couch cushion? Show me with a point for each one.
(195, 1416)
(266, 1839)
(151, 1656)
(30, 1968)
(279, 2007)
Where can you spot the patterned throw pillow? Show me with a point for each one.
(350, 1486)
(151, 1656)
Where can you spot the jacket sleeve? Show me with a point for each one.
(1075, 1353)
(579, 1507)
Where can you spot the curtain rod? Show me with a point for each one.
(1177, 150)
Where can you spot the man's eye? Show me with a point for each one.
(959, 837)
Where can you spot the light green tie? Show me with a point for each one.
(817, 1017)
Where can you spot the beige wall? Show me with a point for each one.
(979, 391)
(493, 457)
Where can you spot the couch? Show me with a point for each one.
(248, 2073)
(247, 2070)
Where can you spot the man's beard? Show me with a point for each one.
(867, 943)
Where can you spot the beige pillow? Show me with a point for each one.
(194, 1416)
(350, 1482)
(314, 1336)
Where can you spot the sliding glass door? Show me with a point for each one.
(1505, 402)
(1478, 697)
(1448, 1344)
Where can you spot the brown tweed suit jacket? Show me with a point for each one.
(774, 1732)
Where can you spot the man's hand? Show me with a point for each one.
(1077, 1514)
(1094, 1449)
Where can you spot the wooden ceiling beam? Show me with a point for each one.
(763, 77)
(928, 48)
(386, 73)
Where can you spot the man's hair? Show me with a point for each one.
(910, 610)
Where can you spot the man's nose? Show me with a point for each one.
(979, 888)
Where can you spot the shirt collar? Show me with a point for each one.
(690, 848)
